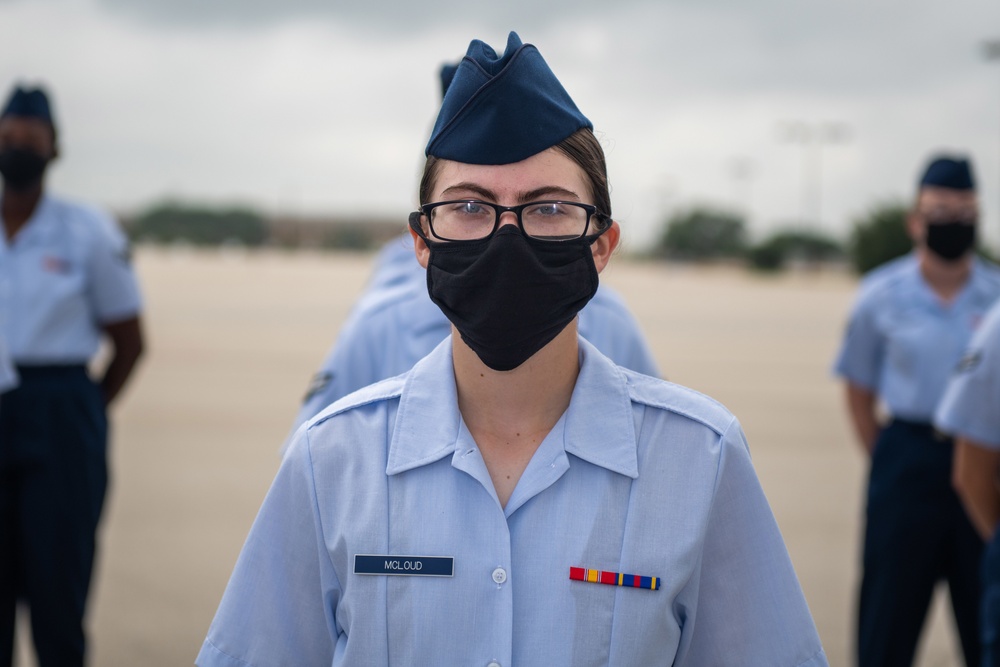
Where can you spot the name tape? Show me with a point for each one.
(410, 566)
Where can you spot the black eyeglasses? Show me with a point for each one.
(473, 220)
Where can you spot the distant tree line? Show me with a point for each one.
(175, 222)
(172, 222)
(699, 234)
(707, 234)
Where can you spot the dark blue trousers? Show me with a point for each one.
(916, 534)
(53, 476)
(990, 610)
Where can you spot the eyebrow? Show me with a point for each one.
(530, 195)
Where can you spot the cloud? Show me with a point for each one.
(313, 107)
(388, 17)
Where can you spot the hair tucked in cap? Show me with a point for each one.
(949, 172)
(500, 110)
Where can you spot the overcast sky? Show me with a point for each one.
(310, 107)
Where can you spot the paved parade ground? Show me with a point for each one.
(234, 338)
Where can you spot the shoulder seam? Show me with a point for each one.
(719, 429)
(380, 391)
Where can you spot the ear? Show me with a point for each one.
(605, 245)
(915, 227)
(420, 248)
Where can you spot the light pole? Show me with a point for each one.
(812, 136)
(741, 169)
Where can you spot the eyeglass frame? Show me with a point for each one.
(499, 209)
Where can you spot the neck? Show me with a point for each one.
(945, 278)
(17, 206)
(528, 399)
(509, 413)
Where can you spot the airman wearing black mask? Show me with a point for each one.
(910, 325)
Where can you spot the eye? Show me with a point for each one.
(471, 208)
(548, 210)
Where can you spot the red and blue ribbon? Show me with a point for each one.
(614, 578)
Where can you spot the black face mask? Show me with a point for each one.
(510, 295)
(950, 240)
(21, 168)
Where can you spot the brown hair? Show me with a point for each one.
(582, 147)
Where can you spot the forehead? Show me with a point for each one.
(937, 197)
(548, 169)
(25, 130)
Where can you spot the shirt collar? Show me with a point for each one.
(978, 280)
(599, 422)
(977, 286)
(600, 425)
(428, 420)
(36, 224)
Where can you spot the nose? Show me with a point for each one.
(511, 218)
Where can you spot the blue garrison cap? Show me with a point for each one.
(502, 110)
(447, 73)
(29, 103)
(949, 172)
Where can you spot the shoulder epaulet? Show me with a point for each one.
(678, 399)
(85, 220)
(383, 390)
(989, 269)
(883, 279)
(888, 272)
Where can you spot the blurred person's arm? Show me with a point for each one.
(861, 407)
(970, 411)
(860, 362)
(974, 477)
(115, 302)
(127, 346)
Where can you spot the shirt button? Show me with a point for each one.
(493, 663)
(499, 576)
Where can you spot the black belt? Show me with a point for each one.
(43, 371)
(924, 428)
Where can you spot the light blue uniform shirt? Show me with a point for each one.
(902, 342)
(65, 274)
(638, 476)
(971, 405)
(395, 324)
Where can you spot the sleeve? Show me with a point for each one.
(862, 352)
(280, 604)
(112, 288)
(750, 609)
(970, 408)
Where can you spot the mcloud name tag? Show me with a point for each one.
(409, 566)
